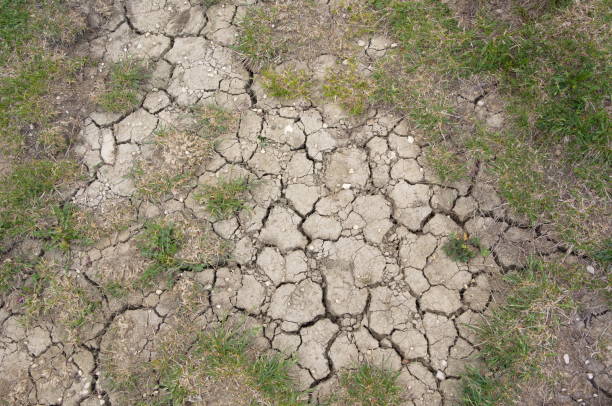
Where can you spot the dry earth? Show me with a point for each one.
(338, 255)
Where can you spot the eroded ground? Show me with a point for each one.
(337, 254)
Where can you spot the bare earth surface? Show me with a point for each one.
(338, 255)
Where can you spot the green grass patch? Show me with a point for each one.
(257, 42)
(552, 159)
(23, 107)
(28, 198)
(349, 88)
(63, 229)
(518, 336)
(125, 82)
(224, 199)
(27, 26)
(49, 293)
(12, 272)
(287, 84)
(212, 121)
(481, 390)
(369, 385)
(160, 242)
(558, 78)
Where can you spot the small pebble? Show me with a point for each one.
(566, 359)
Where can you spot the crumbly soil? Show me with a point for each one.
(338, 255)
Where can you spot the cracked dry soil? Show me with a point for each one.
(338, 256)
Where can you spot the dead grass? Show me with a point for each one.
(51, 294)
(180, 152)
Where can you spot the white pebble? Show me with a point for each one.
(566, 359)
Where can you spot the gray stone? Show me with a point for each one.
(138, 127)
(415, 249)
(441, 299)
(408, 170)
(347, 167)
(343, 353)
(107, 151)
(299, 303)
(312, 352)
(251, 295)
(390, 310)
(411, 204)
(281, 230)
(324, 228)
(291, 268)
(283, 130)
(411, 343)
(441, 270)
(302, 197)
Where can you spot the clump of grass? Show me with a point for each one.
(287, 84)
(28, 196)
(257, 42)
(63, 229)
(225, 198)
(462, 249)
(11, 273)
(481, 390)
(349, 88)
(22, 98)
(210, 3)
(160, 243)
(448, 166)
(371, 386)
(50, 293)
(180, 152)
(212, 121)
(125, 81)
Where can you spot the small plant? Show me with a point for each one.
(114, 289)
(371, 386)
(462, 249)
(11, 271)
(63, 230)
(27, 196)
(288, 84)
(212, 121)
(480, 390)
(125, 81)
(348, 87)
(210, 3)
(226, 352)
(160, 242)
(226, 198)
(257, 42)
